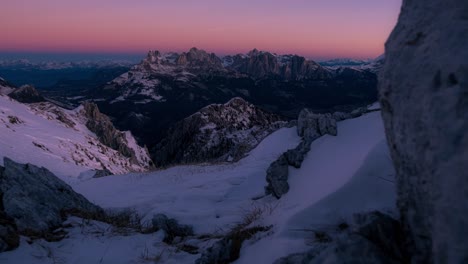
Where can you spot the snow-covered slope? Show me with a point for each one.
(49, 136)
(341, 175)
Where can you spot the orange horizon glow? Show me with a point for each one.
(333, 28)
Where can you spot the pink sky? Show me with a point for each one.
(313, 28)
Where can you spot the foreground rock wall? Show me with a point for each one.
(424, 99)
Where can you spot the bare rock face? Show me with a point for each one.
(424, 99)
(37, 200)
(262, 64)
(106, 132)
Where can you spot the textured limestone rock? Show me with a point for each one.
(37, 200)
(311, 126)
(106, 132)
(424, 99)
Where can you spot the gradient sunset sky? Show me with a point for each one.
(312, 28)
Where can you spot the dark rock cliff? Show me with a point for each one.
(424, 98)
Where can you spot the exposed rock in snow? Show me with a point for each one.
(310, 126)
(227, 249)
(277, 177)
(424, 98)
(171, 227)
(26, 94)
(37, 200)
(218, 132)
(373, 238)
(102, 173)
(9, 238)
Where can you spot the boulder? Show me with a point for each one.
(37, 200)
(424, 98)
(102, 173)
(171, 227)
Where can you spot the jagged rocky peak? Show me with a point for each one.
(153, 56)
(262, 64)
(218, 132)
(200, 59)
(193, 59)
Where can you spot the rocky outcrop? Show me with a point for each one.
(26, 94)
(9, 237)
(424, 97)
(218, 132)
(171, 227)
(107, 134)
(37, 200)
(277, 177)
(372, 238)
(310, 126)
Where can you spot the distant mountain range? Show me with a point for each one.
(151, 97)
(167, 87)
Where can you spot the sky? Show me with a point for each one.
(317, 29)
